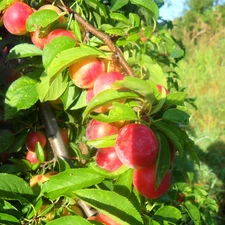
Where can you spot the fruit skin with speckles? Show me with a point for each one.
(84, 72)
(144, 180)
(15, 17)
(106, 158)
(96, 129)
(136, 146)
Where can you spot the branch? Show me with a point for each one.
(53, 133)
(117, 55)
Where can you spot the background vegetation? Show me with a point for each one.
(202, 30)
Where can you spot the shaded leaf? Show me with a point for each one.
(70, 220)
(6, 139)
(22, 94)
(193, 212)
(41, 18)
(111, 204)
(64, 183)
(23, 50)
(7, 219)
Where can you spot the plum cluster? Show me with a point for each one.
(15, 17)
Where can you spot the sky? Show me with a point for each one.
(172, 9)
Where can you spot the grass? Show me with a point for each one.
(203, 72)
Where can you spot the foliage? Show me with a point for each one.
(42, 79)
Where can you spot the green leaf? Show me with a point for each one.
(81, 101)
(119, 17)
(119, 112)
(172, 134)
(70, 220)
(104, 142)
(118, 4)
(41, 18)
(161, 100)
(193, 212)
(22, 94)
(14, 188)
(111, 204)
(155, 70)
(115, 31)
(106, 173)
(176, 98)
(149, 5)
(24, 50)
(69, 56)
(142, 87)
(71, 93)
(5, 3)
(123, 184)
(51, 91)
(163, 159)
(7, 219)
(56, 46)
(107, 96)
(40, 153)
(6, 139)
(168, 213)
(6, 207)
(176, 116)
(64, 183)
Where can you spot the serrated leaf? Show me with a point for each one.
(106, 173)
(69, 56)
(5, 3)
(155, 70)
(51, 90)
(57, 45)
(172, 134)
(193, 212)
(169, 214)
(111, 204)
(163, 159)
(104, 142)
(41, 18)
(123, 184)
(107, 96)
(149, 5)
(176, 98)
(119, 17)
(139, 86)
(71, 93)
(69, 220)
(7, 219)
(22, 94)
(6, 139)
(176, 116)
(117, 4)
(119, 112)
(14, 188)
(64, 183)
(6, 207)
(24, 50)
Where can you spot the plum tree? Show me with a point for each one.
(15, 17)
(136, 145)
(85, 72)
